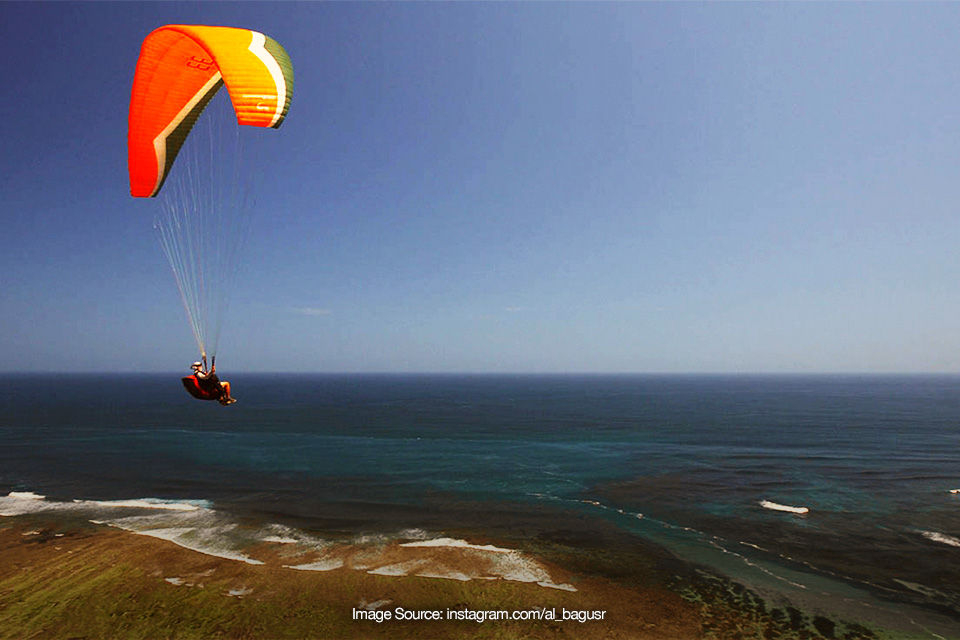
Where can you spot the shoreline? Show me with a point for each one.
(64, 577)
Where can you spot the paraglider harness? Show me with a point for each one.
(203, 388)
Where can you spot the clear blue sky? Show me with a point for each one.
(654, 187)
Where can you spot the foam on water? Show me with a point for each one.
(18, 503)
(194, 525)
(941, 537)
(191, 524)
(449, 575)
(450, 542)
(398, 569)
(145, 503)
(322, 565)
(195, 540)
(767, 504)
(25, 495)
(441, 557)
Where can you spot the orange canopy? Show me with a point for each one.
(180, 69)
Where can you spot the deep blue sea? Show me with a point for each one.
(713, 468)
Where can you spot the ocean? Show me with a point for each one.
(828, 492)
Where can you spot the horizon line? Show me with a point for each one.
(181, 373)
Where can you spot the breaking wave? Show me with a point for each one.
(196, 525)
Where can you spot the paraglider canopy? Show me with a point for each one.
(180, 69)
(206, 204)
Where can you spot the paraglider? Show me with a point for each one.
(205, 385)
(204, 206)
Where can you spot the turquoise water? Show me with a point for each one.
(684, 461)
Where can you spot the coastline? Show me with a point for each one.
(347, 476)
(64, 577)
(61, 578)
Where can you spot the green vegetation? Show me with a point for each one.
(729, 611)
